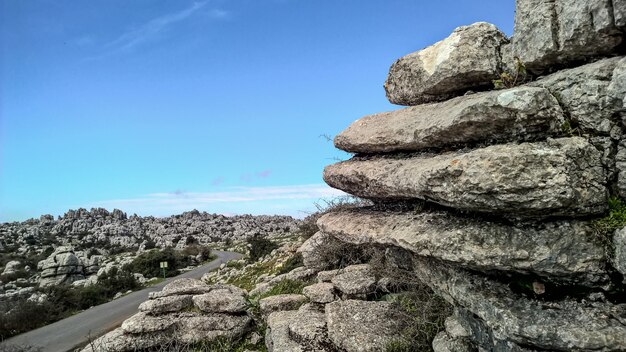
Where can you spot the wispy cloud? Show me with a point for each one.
(276, 199)
(154, 27)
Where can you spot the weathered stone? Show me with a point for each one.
(469, 58)
(61, 267)
(221, 300)
(617, 88)
(357, 282)
(363, 326)
(515, 114)
(320, 293)
(277, 303)
(141, 323)
(445, 343)
(11, 267)
(200, 328)
(118, 341)
(563, 325)
(591, 95)
(277, 337)
(166, 304)
(182, 287)
(309, 250)
(619, 243)
(311, 332)
(554, 33)
(561, 250)
(561, 177)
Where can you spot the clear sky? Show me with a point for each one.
(157, 107)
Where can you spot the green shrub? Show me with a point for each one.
(606, 226)
(260, 247)
(148, 263)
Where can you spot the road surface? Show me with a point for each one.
(66, 334)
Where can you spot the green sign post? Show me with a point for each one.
(164, 268)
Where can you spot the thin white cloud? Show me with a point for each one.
(152, 28)
(259, 200)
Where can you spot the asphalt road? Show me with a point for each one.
(66, 334)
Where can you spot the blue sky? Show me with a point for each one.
(157, 107)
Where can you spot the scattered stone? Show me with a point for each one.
(277, 337)
(355, 282)
(468, 59)
(516, 114)
(559, 177)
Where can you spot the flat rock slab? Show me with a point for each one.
(363, 326)
(166, 304)
(565, 325)
(142, 323)
(277, 337)
(221, 300)
(209, 327)
(277, 303)
(551, 33)
(468, 58)
(515, 114)
(561, 177)
(559, 250)
(182, 287)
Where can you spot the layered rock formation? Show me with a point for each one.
(493, 199)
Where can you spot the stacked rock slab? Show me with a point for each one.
(185, 312)
(496, 194)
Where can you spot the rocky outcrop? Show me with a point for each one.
(62, 266)
(498, 200)
(560, 177)
(550, 33)
(469, 58)
(185, 312)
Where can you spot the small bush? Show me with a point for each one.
(148, 263)
(606, 226)
(512, 79)
(260, 247)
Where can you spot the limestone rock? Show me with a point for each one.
(141, 323)
(519, 113)
(118, 341)
(277, 337)
(62, 266)
(311, 332)
(467, 59)
(184, 286)
(221, 300)
(591, 95)
(312, 250)
(11, 267)
(356, 282)
(563, 325)
(200, 328)
(363, 326)
(167, 304)
(560, 250)
(619, 243)
(282, 302)
(551, 33)
(320, 293)
(561, 177)
(445, 343)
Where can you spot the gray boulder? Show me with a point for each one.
(61, 267)
(203, 328)
(562, 177)
(182, 287)
(277, 337)
(564, 325)
(11, 267)
(467, 59)
(515, 114)
(551, 33)
(363, 326)
(619, 257)
(445, 343)
(322, 293)
(355, 281)
(142, 323)
(560, 251)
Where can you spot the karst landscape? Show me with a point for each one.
(487, 214)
